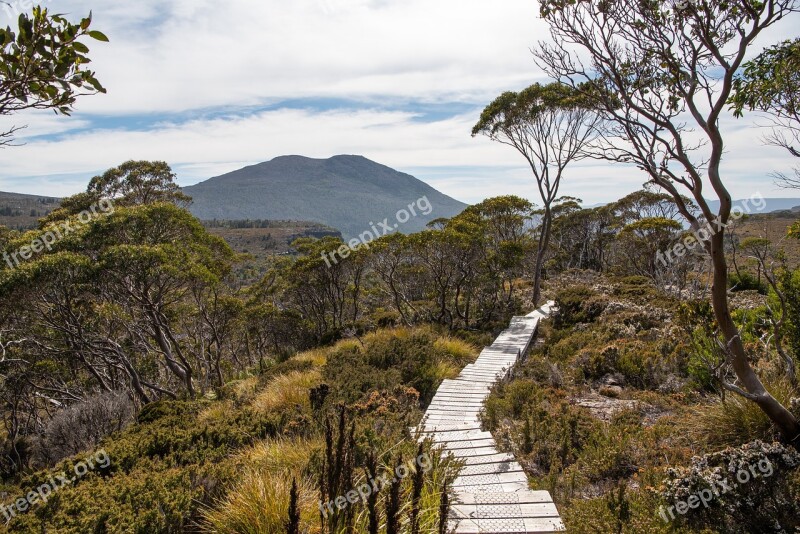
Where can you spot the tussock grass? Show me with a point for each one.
(735, 420)
(259, 502)
(260, 505)
(278, 455)
(455, 349)
(317, 357)
(446, 370)
(286, 391)
(243, 391)
(216, 412)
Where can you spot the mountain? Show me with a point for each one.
(350, 193)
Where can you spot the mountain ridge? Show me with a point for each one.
(347, 192)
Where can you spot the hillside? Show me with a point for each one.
(349, 193)
(21, 212)
(772, 226)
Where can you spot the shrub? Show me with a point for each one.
(83, 426)
(577, 304)
(745, 281)
(748, 488)
(417, 358)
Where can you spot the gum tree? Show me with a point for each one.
(42, 65)
(549, 125)
(771, 83)
(662, 74)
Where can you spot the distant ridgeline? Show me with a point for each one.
(349, 193)
(267, 223)
(22, 212)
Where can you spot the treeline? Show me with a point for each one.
(260, 223)
(141, 301)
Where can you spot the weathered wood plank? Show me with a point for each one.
(491, 492)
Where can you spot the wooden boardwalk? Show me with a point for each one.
(491, 492)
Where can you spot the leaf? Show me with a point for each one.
(80, 47)
(100, 36)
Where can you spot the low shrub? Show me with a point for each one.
(83, 426)
(745, 281)
(750, 488)
(577, 304)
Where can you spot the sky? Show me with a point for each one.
(213, 86)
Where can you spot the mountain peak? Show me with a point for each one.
(347, 192)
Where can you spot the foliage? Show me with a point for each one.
(745, 281)
(393, 358)
(770, 82)
(577, 305)
(759, 494)
(42, 65)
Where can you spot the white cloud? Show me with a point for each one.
(200, 149)
(197, 55)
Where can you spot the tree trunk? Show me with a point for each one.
(777, 413)
(544, 242)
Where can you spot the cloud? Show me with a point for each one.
(211, 87)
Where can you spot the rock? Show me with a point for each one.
(616, 379)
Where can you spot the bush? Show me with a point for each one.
(416, 358)
(746, 282)
(751, 488)
(82, 427)
(578, 304)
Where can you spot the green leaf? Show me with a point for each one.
(100, 36)
(80, 47)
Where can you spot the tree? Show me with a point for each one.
(137, 183)
(656, 70)
(549, 125)
(771, 83)
(42, 65)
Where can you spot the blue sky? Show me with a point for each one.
(211, 87)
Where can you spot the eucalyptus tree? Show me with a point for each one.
(43, 65)
(771, 83)
(392, 262)
(550, 125)
(662, 73)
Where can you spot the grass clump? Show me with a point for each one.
(287, 391)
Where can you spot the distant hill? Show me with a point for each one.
(22, 212)
(773, 204)
(349, 193)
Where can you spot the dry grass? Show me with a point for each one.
(317, 357)
(735, 420)
(277, 455)
(287, 390)
(243, 391)
(216, 412)
(446, 371)
(456, 350)
(260, 505)
(259, 502)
